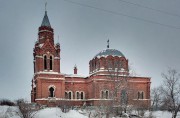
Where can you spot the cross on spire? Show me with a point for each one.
(45, 21)
(108, 43)
(46, 6)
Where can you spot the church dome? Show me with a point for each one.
(108, 52)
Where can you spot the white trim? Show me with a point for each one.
(98, 99)
(74, 75)
(106, 70)
(51, 78)
(72, 99)
(75, 81)
(46, 72)
(37, 56)
(139, 81)
(45, 31)
(108, 74)
(141, 99)
(56, 57)
(41, 45)
(53, 86)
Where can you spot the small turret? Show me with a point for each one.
(75, 69)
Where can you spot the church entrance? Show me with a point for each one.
(51, 91)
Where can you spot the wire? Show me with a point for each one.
(122, 14)
(153, 9)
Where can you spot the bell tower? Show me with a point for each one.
(46, 53)
(48, 81)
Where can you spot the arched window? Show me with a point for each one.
(82, 95)
(77, 95)
(51, 91)
(107, 94)
(45, 62)
(51, 61)
(138, 95)
(141, 95)
(66, 95)
(70, 96)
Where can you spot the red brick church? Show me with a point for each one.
(108, 79)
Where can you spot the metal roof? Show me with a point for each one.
(108, 52)
(45, 21)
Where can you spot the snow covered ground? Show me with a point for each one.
(162, 114)
(57, 113)
(12, 112)
(9, 112)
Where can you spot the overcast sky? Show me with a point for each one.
(147, 32)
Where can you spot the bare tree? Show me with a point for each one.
(26, 109)
(156, 98)
(119, 93)
(171, 91)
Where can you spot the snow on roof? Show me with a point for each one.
(41, 45)
(74, 75)
(107, 52)
(47, 72)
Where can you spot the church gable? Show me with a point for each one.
(48, 47)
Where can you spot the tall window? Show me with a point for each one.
(140, 95)
(77, 95)
(66, 95)
(45, 62)
(105, 94)
(51, 62)
(82, 95)
(70, 95)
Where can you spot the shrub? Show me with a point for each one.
(6, 102)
